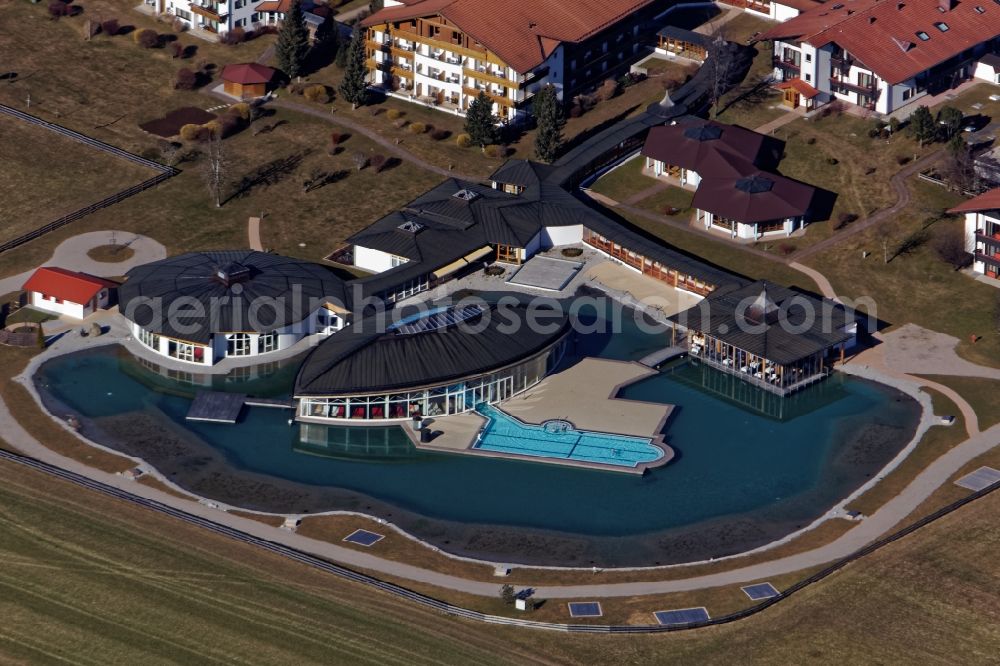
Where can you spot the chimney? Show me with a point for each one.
(946, 5)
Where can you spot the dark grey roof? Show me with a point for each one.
(269, 286)
(766, 319)
(687, 35)
(367, 358)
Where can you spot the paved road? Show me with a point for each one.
(71, 254)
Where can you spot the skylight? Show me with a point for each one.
(923, 36)
(980, 10)
(942, 26)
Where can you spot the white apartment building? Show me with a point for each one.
(443, 54)
(982, 232)
(882, 55)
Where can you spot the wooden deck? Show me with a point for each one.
(216, 407)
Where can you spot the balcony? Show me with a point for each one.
(499, 99)
(529, 78)
(992, 240)
(777, 61)
(487, 76)
(870, 89)
(440, 44)
(991, 259)
(211, 12)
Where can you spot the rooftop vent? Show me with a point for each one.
(466, 195)
(900, 6)
(755, 184)
(903, 45)
(411, 227)
(232, 273)
(871, 20)
(703, 133)
(838, 6)
(946, 5)
(980, 10)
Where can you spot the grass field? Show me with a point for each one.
(47, 175)
(917, 286)
(980, 393)
(88, 579)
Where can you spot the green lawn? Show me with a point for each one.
(671, 197)
(738, 107)
(90, 579)
(917, 286)
(624, 181)
(980, 393)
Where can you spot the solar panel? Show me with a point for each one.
(983, 477)
(681, 616)
(437, 320)
(585, 609)
(760, 591)
(363, 538)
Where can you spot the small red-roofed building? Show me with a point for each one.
(68, 293)
(246, 80)
(982, 231)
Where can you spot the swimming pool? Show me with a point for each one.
(561, 441)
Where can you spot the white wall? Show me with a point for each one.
(557, 236)
(372, 260)
(986, 73)
(780, 12)
(67, 308)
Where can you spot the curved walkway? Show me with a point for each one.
(71, 254)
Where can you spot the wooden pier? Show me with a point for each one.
(220, 407)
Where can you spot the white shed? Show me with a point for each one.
(69, 293)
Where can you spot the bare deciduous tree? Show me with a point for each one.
(216, 169)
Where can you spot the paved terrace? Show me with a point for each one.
(584, 394)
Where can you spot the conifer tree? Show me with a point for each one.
(480, 122)
(548, 115)
(292, 47)
(354, 87)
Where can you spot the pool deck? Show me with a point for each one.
(583, 394)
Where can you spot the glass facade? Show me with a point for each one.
(439, 400)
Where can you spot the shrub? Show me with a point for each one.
(58, 8)
(336, 138)
(417, 128)
(786, 249)
(240, 110)
(844, 219)
(234, 37)
(317, 93)
(493, 151)
(401, 123)
(608, 90)
(494, 271)
(110, 27)
(440, 134)
(393, 114)
(463, 140)
(228, 125)
(297, 88)
(575, 111)
(572, 252)
(178, 25)
(902, 159)
(832, 161)
(190, 132)
(176, 50)
(213, 128)
(185, 79)
(360, 160)
(378, 162)
(811, 140)
(146, 38)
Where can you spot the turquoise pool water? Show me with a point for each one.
(560, 440)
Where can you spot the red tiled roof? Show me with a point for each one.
(67, 285)
(882, 34)
(247, 73)
(989, 200)
(283, 6)
(523, 33)
(799, 85)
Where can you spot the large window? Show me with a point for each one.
(151, 340)
(267, 342)
(185, 351)
(454, 398)
(238, 344)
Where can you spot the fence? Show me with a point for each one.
(458, 611)
(163, 173)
